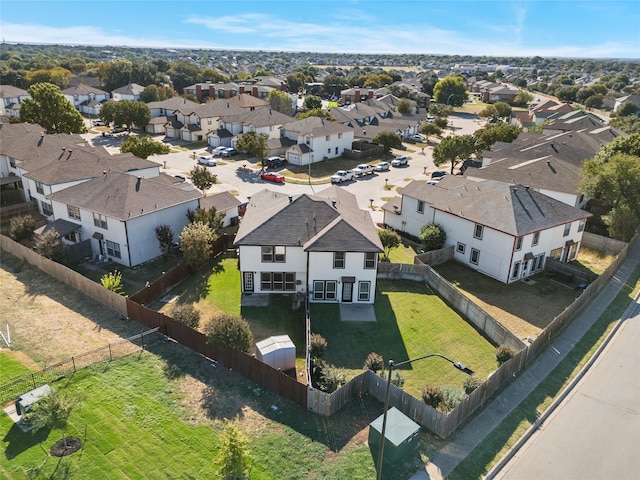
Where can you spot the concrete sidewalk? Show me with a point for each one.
(469, 437)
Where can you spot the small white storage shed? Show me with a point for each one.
(277, 351)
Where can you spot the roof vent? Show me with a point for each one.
(333, 202)
(290, 199)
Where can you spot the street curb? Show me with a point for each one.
(559, 399)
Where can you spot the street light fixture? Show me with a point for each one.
(392, 365)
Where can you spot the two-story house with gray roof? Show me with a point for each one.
(501, 230)
(131, 91)
(86, 99)
(314, 139)
(10, 99)
(322, 245)
(259, 120)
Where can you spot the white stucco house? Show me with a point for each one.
(259, 120)
(321, 245)
(131, 91)
(119, 212)
(226, 204)
(504, 231)
(86, 99)
(10, 99)
(315, 139)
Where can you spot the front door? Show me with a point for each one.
(248, 281)
(347, 291)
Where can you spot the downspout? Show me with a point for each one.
(126, 236)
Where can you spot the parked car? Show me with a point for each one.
(207, 160)
(272, 177)
(229, 152)
(119, 129)
(275, 162)
(416, 138)
(218, 150)
(97, 123)
(363, 169)
(399, 161)
(381, 166)
(342, 176)
(438, 174)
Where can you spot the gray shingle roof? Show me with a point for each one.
(221, 201)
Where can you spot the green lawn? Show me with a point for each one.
(10, 368)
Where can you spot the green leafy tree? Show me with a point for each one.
(451, 90)
(208, 216)
(503, 109)
(234, 455)
(186, 314)
(388, 140)
(202, 178)
(183, 74)
(626, 109)
(54, 411)
(164, 235)
(153, 93)
(405, 106)
(254, 144)
(316, 112)
(296, 81)
(195, 243)
(333, 84)
(439, 110)
(50, 246)
(389, 240)
(311, 102)
(113, 281)
(488, 135)
(594, 101)
(144, 147)
(127, 113)
(22, 228)
(433, 236)
(51, 110)
(504, 353)
(230, 330)
(628, 125)
(430, 129)
(454, 150)
(523, 98)
(280, 102)
(115, 74)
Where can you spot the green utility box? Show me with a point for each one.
(401, 435)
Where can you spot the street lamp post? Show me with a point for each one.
(449, 98)
(393, 365)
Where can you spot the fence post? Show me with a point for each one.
(110, 355)
(33, 378)
(74, 364)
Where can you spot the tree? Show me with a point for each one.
(388, 140)
(522, 97)
(113, 281)
(195, 241)
(51, 110)
(183, 74)
(234, 455)
(628, 125)
(496, 132)
(626, 109)
(405, 106)
(164, 234)
(454, 150)
(229, 330)
(440, 110)
(504, 353)
(433, 236)
(144, 147)
(451, 90)
(50, 246)
(502, 109)
(202, 178)
(389, 239)
(280, 102)
(22, 228)
(208, 216)
(430, 129)
(316, 112)
(594, 101)
(311, 102)
(153, 93)
(126, 112)
(255, 144)
(54, 411)
(186, 314)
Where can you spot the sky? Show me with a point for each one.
(547, 28)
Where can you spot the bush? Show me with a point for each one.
(397, 379)
(504, 353)
(50, 246)
(374, 362)
(317, 345)
(113, 281)
(433, 236)
(186, 314)
(470, 384)
(231, 331)
(22, 228)
(432, 395)
(331, 378)
(451, 397)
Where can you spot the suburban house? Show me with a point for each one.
(207, 91)
(194, 124)
(322, 245)
(10, 99)
(163, 110)
(635, 99)
(490, 92)
(259, 120)
(224, 203)
(86, 99)
(549, 164)
(504, 231)
(131, 91)
(314, 139)
(119, 213)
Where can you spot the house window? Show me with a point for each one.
(279, 254)
(73, 212)
(327, 138)
(113, 249)
(336, 150)
(477, 231)
(338, 259)
(581, 224)
(12, 162)
(329, 150)
(518, 243)
(47, 209)
(556, 253)
(475, 256)
(74, 237)
(516, 270)
(567, 229)
(307, 140)
(339, 136)
(535, 239)
(278, 281)
(370, 260)
(539, 262)
(460, 247)
(273, 254)
(40, 188)
(420, 206)
(324, 290)
(100, 221)
(363, 291)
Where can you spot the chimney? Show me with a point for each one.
(241, 89)
(370, 94)
(255, 92)
(212, 92)
(356, 98)
(199, 92)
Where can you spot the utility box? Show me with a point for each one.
(277, 351)
(401, 435)
(25, 402)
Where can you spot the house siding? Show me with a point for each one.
(321, 269)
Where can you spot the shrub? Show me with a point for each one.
(397, 379)
(432, 395)
(433, 236)
(331, 378)
(50, 246)
(234, 454)
(113, 281)
(451, 397)
(504, 353)
(22, 228)
(374, 362)
(317, 345)
(470, 384)
(231, 331)
(186, 314)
